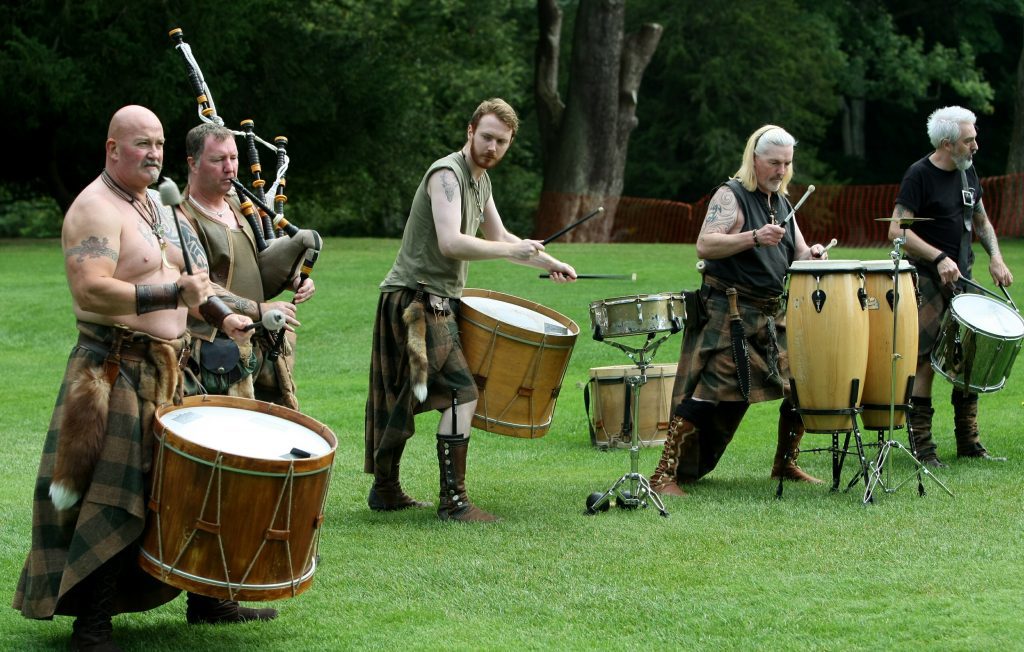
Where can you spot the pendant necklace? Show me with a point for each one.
(152, 219)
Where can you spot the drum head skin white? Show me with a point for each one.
(988, 315)
(514, 315)
(244, 432)
(886, 266)
(826, 266)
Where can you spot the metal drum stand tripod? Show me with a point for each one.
(633, 489)
(880, 473)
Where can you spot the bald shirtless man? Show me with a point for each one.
(131, 300)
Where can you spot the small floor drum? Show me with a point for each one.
(518, 352)
(827, 336)
(639, 314)
(978, 342)
(610, 393)
(878, 378)
(237, 498)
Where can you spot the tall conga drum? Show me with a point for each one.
(517, 351)
(237, 498)
(878, 388)
(827, 335)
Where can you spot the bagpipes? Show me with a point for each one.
(281, 246)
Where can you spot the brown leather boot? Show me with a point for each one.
(205, 610)
(791, 432)
(965, 427)
(454, 504)
(92, 629)
(663, 480)
(386, 493)
(920, 432)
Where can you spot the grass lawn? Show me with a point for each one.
(732, 568)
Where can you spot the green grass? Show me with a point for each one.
(731, 569)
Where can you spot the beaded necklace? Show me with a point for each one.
(152, 219)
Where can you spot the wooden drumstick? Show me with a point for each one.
(800, 203)
(831, 243)
(607, 277)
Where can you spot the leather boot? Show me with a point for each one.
(92, 629)
(920, 432)
(454, 504)
(965, 427)
(386, 493)
(791, 432)
(681, 433)
(213, 611)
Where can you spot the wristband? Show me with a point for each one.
(149, 298)
(756, 243)
(941, 257)
(214, 311)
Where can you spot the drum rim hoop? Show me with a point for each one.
(574, 329)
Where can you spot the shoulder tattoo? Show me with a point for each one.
(92, 247)
(722, 213)
(449, 184)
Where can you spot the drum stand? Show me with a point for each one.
(879, 472)
(633, 489)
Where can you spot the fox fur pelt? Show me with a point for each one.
(415, 322)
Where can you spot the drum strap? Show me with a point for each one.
(964, 254)
(768, 305)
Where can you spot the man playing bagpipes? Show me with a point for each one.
(248, 275)
(131, 301)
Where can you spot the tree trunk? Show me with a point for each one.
(584, 140)
(853, 127)
(1015, 159)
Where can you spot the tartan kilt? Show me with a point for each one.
(69, 545)
(706, 368)
(390, 404)
(935, 299)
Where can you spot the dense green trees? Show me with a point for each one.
(370, 92)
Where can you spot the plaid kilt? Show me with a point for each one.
(935, 298)
(67, 546)
(390, 404)
(706, 369)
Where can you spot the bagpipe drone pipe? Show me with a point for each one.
(281, 246)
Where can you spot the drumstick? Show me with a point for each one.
(831, 243)
(800, 203)
(596, 211)
(610, 277)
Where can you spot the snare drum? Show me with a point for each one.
(518, 352)
(878, 377)
(827, 335)
(237, 498)
(639, 314)
(978, 342)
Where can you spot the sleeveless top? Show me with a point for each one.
(762, 268)
(419, 258)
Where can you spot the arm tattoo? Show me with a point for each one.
(92, 247)
(722, 213)
(449, 184)
(194, 248)
(238, 304)
(986, 234)
(901, 211)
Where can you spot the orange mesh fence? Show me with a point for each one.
(847, 213)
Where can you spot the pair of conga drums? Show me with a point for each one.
(841, 341)
(237, 499)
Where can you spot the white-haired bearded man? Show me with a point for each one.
(747, 247)
(944, 187)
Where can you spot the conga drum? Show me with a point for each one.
(607, 394)
(237, 498)
(978, 343)
(878, 390)
(517, 351)
(827, 335)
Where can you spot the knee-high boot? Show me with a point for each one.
(681, 435)
(386, 494)
(92, 629)
(920, 431)
(454, 504)
(790, 433)
(965, 427)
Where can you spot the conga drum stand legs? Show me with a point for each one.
(880, 466)
(633, 489)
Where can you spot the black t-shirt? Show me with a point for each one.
(927, 191)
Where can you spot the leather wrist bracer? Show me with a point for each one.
(156, 297)
(214, 311)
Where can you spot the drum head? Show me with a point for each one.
(825, 266)
(244, 432)
(515, 315)
(875, 266)
(987, 315)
